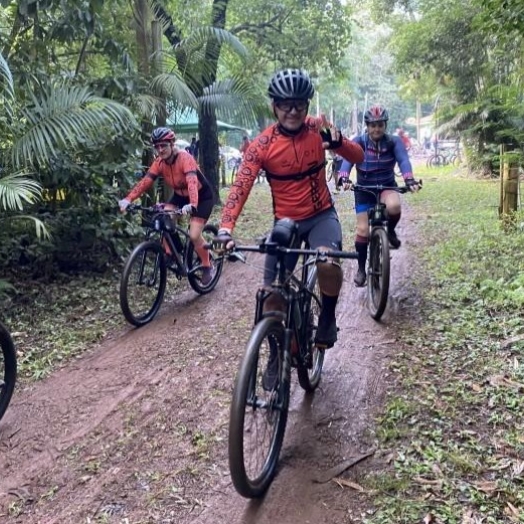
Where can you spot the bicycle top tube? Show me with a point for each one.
(157, 208)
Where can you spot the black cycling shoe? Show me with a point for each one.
(326, 332)
(394, 241)
(270, 376)
(360, 278)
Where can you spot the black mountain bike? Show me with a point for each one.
(7, 369)
(144, 278)
(258, 417)
(378, 253)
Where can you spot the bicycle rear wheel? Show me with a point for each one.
(143, 283)
(195, 265)
(258, 417)
(309, 370)
(378, 272)
(7, 369)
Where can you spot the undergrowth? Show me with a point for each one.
(454, 423)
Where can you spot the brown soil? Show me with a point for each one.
(136, 431)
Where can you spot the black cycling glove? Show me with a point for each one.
(331, 136)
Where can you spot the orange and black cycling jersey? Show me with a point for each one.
(295, 169)
(183, 175)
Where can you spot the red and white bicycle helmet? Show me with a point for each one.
(376, 113)
(162, 134)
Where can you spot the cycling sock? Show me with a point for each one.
(203, 254)
(328, 305)
(361, 247)
(392, 222)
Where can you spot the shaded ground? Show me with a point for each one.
(136, 431)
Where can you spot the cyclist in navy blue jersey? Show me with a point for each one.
(381, 153)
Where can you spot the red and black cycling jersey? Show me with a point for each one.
(295, 169)
(183, 175)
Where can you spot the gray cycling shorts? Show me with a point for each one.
(322, 230)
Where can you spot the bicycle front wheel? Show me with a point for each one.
(259, 413)
(7, 369)
(309, 369)
(378, 272)
(195, 267)
(143, 283)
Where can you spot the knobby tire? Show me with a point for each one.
(378, 272)
(309, 373)
(146, 252)
(8, 371)
(248, 383)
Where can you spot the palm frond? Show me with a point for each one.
(172, 87)
(64, 117)
(200, 36)
(15, 189)
(7, 89)
(41, 231)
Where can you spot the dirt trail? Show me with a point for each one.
(136, 431)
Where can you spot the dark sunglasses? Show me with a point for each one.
(161, 146)
(288, 105)
(377, 124)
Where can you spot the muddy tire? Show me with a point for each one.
(309, 370)
(256, 412)
(143, 283)
(7, 369)
(378, 272)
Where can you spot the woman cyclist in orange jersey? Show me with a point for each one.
(192, 192)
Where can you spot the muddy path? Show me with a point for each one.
(136, 430)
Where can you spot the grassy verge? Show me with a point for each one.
(54, 322)
(454, 423)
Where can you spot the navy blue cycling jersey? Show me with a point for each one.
(379, 160)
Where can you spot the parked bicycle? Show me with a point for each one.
(7, 369)
(257, 413)
(144, 278)
(378, 260)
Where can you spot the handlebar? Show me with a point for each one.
(272, 248)
(157, 208)
(380, 187)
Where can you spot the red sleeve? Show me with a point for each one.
(147, 182)
(189, 167)
(246, 176)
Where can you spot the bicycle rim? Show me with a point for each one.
(309, 370)
(7, 369)
(258, 417)
(195, 265)
(143, 283)
(378, 272)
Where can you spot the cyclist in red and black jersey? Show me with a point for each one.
(292, 154)
(193, 194)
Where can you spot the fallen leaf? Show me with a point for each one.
(511, 510)
(429, 518)
(422, 480)
(348, 484)
(476, 388)
(486, 486)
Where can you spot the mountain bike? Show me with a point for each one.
(258, 414)
(378, 252)
(167, 247)
(7, 369)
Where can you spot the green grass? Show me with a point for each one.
(454, 420)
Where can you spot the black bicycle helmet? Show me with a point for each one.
(291, 84)
(376, 114)
(162, 134)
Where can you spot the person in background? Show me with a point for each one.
(244, 144)
(381, 153)
(193, 194)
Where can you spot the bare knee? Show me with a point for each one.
(330, 277)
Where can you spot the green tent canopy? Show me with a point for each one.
(187, 122)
